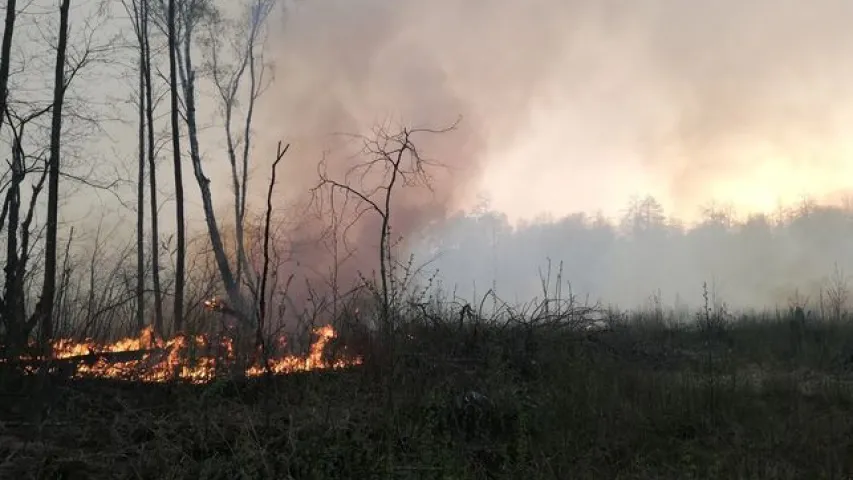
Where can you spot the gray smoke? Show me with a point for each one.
(583, 102)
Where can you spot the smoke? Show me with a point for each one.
(570, 105)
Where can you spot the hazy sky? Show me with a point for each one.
(577, 105)
(567, 105)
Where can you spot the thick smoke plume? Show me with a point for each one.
(571, 105)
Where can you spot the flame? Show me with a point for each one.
(195, 359)
(215, 304)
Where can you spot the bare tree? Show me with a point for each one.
(334, 239)
(46, 302)
(19, 231)
(391, 160)
(262, 296)
(244, 40)
(643, 215)
(185, 22)
(5, 55)
(838, 293)
(139, 13)
(134, 10)
(191, 14)
(176, 152)
(152, 168)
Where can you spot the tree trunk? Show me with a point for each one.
(152, 175)
(247, 140)
(13, 311)
(179, 182)
(13, 293)
(49, 287)
(140, 190)
(188, 81)
(238, 189)
(5, 54)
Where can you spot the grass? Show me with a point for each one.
(755, 398)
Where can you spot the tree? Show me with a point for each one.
(184, 21)
(391, 160)
(264, 276)
(12, 306)
(6, 54)
(49, 287)
(139, 13)
(134, 10)
(643, 215)
(719, 215)
(176, 157)
(152, 169)
(19, 231)
(190, 16)
(244, 42)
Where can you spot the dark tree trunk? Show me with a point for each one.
(152, 174)
(140, 187)
(13, 311)
(49, 287)
(179, 183)
(13, 293)
(5, 55)
(11, 299)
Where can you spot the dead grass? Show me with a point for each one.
(644, 401)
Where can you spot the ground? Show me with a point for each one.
(752, 399)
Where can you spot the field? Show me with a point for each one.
(752, 397)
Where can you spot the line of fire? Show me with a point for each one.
(196, 359)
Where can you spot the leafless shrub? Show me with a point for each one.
(837, 294)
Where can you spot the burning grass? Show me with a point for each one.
(195, 359)
(646, 399)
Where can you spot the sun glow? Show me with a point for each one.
(753, 181)
(776, 182)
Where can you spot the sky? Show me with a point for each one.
(578, 105)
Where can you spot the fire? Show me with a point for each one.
(215, 304)
(196, 359)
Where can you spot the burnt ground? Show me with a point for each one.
(753, 400)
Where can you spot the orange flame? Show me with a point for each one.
(161, 360)
(195, 359)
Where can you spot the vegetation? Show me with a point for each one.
(754, 261)
(516, 395)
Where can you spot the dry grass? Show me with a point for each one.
(757, 399)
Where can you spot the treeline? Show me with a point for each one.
(795, 255)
